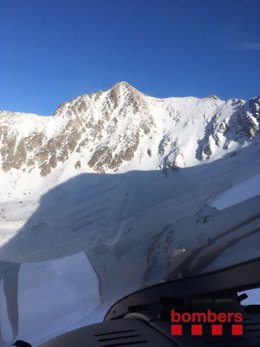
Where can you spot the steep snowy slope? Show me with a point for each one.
(111, 193)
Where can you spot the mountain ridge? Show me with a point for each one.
(122, 129)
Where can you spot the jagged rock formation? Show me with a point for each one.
(123, 128)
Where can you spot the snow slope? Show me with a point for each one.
(243, 191)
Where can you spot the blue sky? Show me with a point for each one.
(55, 50)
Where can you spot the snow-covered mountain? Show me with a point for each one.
(122, 129)
(111, 194)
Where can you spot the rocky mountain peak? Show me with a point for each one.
(123, 86)
(124, 95)
(123, 129)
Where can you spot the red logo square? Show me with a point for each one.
(196, 329)
(216, 329)
(237, 329)
(176, 329)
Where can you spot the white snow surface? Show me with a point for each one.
(243, 191)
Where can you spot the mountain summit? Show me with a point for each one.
(122, 129)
